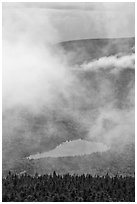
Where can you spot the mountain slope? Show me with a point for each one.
(88, 49)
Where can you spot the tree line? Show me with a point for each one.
(67, 188)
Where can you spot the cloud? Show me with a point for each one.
(72, 148)
(112, 63)
(114, 127)
(45, 100)
(28, 26)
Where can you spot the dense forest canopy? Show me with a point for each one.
(65, 188)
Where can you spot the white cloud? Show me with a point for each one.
(113, 63)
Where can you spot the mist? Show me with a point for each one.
(47, 101)
(69, 149)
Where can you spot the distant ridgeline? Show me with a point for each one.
(88, 49)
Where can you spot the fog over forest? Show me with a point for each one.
(55, 92)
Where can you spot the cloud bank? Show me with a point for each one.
(46, 101)
(112, 62)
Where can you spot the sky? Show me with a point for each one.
(81, 20)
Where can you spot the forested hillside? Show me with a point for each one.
(79, 51)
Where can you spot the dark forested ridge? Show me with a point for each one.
(88, 49)
(67, 188)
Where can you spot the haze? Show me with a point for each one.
(47, 101)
